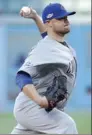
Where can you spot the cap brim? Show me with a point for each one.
(71, 13)
(66, 14)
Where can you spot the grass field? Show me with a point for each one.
(83, 121)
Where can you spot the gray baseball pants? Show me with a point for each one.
(34, 119)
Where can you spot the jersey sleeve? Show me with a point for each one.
(26, 67)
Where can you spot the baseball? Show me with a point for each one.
(26, 10)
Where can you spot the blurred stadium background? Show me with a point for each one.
(18, 35)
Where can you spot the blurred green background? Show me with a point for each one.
(82, 119)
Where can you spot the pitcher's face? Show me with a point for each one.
(60, 26)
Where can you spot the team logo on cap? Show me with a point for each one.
(49, 15)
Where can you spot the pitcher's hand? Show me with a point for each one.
(31, 15)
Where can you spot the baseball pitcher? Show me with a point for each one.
(47, 78)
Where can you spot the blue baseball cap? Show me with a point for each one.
(55, 10)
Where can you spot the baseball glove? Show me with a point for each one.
(57, 92)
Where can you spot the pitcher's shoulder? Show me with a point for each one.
(73, 51)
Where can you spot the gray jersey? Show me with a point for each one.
(48, 59)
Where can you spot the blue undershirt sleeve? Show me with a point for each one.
(23, 79)
(44, 34)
